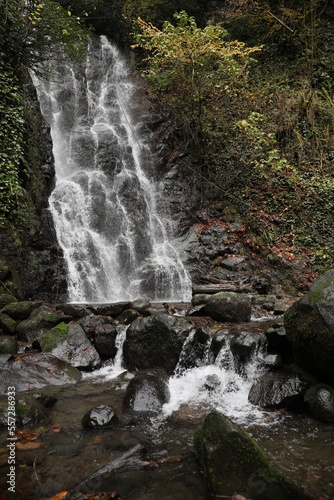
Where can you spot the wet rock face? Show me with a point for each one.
(69, 343)
(229, 306)
(284, 388)
(320, 401)
(309, 325)
(147, 392)
(140, 349)
(33, 371)
(233, 463)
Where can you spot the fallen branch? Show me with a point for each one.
(212, 288)
(128, 461)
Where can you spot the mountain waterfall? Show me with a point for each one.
(104, 205)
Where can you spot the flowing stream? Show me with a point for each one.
(104, 205)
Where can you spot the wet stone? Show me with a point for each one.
(112, 310)
(8, 345)
(100, 416)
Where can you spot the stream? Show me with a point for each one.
(59, 453)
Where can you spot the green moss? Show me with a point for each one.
(53, 337)
(233, 461)
(316, 292)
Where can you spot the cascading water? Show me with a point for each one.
(215, 384)
(116, 245)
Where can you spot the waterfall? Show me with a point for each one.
(104, 205)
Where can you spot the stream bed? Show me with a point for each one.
(59, 454)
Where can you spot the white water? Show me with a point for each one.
(116, 244)
(112, 368)
(211, 384)
(228, 393)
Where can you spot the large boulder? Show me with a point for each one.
(27, 372)
(20, 310)
(147, 392)
(229, 307)
(283, 388)
(309, 325)
(233, 463)
(154, 342)
(69, 343)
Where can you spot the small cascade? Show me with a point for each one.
(111, 368)
(116, 243)
(215, 385)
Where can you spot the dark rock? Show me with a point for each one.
(69, 343)
(100, 417)
(8, 345)
(272, 361)
(154, 342)
(93, 324)
(199, 310)
(188, 415)
(200, 298)
(309, 324)
(4, 270)
(232, 263)
(279, 342)
(262, 284)
(229, 307)
(234, 463)
(140, 305)
(112, 310)
(284, 388)
(104, 338)
(128, 316)
(7, 324)
(40, 321)
(20, 310)
(319, 400)
(147, 392)
(74, 310)
(244, 345)
(34, 371)
(5, 299)
(195, 350)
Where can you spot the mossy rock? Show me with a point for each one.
(7, 324)
(6, 298)
(51, 339)
(8, 345)
(20, 310)
(309, 325)
(233, 463)
(40, 321)
(229, 307)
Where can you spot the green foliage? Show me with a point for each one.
(32, 30)
(11, 147)
(191, 69)
(158, 12)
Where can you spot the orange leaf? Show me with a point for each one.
(59, 496)
(29, 445)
